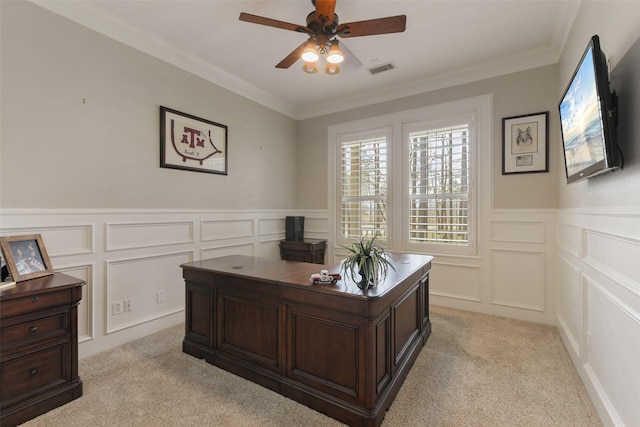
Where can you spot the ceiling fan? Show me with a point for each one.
(323, 30)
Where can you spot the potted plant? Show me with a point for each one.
(367, 260)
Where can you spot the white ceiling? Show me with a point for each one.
(446, 42)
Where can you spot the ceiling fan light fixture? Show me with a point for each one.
(335, 55)
(310, 53)
(332, 69)
(310, 67)
(322, 28)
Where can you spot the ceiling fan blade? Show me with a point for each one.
(371, 27)
(351, 62)
(254, 19)
(325, 10)
(292, 57)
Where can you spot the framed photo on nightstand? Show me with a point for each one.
(26, 257)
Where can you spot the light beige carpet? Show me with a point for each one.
(475, 370)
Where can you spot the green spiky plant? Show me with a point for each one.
(368, 260)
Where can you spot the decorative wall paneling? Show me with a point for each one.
(86, 307)
(514, 231)
(150, 282)
(135, 255)
(456, 281)
(598, 310)
(512, 274)
(134, 235)
(519, 279)
(569, 302)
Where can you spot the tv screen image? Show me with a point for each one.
(586, 118)
(584, 135)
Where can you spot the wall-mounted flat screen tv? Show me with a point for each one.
(587, 118)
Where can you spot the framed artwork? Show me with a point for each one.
(525, 143)
(191, 143)
(26, 257)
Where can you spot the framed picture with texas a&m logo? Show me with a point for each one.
(190, 143)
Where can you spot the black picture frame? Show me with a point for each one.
(192, 143)
(525, 143)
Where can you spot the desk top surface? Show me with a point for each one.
(298, 274)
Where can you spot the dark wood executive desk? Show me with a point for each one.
(333, 348)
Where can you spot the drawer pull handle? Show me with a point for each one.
(33, 371)
(33, 329)
(35, 299)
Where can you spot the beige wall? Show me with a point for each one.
(515, 94)
(80, 126)
(617, 23)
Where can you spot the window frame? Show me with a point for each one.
(443, 121)
(481, 107)
(355, 135)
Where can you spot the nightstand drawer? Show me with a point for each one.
(38, 346)
(34, 372)
(32, 330)
(35, 302)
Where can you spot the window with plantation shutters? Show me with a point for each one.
(411, 178)
(438, 185)
(363, 186)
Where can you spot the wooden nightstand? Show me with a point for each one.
(38, 347)
(309, 250)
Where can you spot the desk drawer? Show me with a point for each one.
(33, 330)
(34, 372)
(33, 303)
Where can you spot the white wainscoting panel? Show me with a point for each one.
(140, 280)
(518, 231)
(512, 272)
(60, 240)
(315, 226)
(135, 235)
(271, 227)
(614, 256)
(519, 279)
(226, 228)
(569, 301)
(224, 250)
(456, 281)
(603, 248)
(614, 353)
(568, 238)
(85, 308)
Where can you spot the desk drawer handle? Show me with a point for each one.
(35, 299)
(33, 371)
(33, 329)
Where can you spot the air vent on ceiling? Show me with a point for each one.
(381, 68)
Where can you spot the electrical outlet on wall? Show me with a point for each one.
(128, 305)
(161, 296)
(116, 308)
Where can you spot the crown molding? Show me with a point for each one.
(94, 18)
(507, 66)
